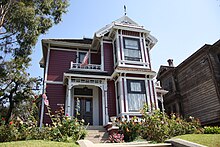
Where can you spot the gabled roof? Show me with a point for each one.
(124, 23)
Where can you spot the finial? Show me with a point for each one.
(125, 10)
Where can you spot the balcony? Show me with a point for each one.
(89, 67)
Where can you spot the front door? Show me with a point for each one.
(83, 109)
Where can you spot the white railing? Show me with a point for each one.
(78, 66)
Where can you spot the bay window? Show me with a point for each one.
(136, 95)
(132, 50)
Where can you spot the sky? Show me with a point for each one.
(180, 26)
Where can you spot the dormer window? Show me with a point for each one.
(132, 50)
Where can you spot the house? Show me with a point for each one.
(108, 75)
(194, 85)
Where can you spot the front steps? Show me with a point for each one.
(96, 134)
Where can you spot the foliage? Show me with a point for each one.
(211, 130)
(21, 23)
(130, 128)
(37, 143)
(116, 138)
(65, 128)
(157, 127)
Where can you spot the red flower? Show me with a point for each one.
(3, 118)
(67, 115)
(11, 122)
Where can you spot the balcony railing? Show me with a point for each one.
(90, 67)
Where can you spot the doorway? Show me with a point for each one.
(84, 109)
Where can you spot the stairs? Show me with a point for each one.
(96, 134)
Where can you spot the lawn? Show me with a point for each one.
(37, 143)
(210, 140)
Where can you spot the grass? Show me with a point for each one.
(37, 143)
(210, 140)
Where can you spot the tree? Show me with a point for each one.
(21, 23)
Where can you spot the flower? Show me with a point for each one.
(46, 102)
(11, 122)
(3, 118)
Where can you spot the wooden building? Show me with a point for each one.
(194, 85)
(108, 75)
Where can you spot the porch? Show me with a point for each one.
(87, 99)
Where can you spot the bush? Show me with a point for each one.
(130, 129)
(157, 127)
(63, 128)
(211, 130)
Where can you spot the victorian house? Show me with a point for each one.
(108, 75)
(194, 85)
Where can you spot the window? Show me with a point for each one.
(132, 50)
(81, 56)
(136, 95)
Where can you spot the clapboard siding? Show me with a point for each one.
(111, 99)
(108, 58)
(196, 80)
(59, 62)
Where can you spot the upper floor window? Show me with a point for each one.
(132, 49)
(136, 95)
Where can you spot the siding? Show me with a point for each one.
(56, 95)
(108, 58)
(111, 99)
(198, 90)
(96, 58)
(130, 33)
(59, 62)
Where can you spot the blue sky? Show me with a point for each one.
(181, 26)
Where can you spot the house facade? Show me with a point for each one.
(194, 85)
(108, 75)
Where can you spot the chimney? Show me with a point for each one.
(170, 62)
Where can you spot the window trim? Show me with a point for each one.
(130, 58)
(143, 86)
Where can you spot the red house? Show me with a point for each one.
(108, 75)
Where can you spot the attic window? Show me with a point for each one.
(132, 49)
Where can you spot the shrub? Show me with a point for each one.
(65, 128)
(211, 130)
(157, 127)
(130, 129)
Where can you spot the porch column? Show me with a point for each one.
(106, 102)
(68, 112)
(105, 116)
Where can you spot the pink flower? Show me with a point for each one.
(67, 115)
(11, 122)
(44, 96)
(46, 102)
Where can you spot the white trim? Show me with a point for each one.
(146, 51)
(54, 82)
(121, 98)
(117, 48)
(61, 43)
(104, 41)
(102, 55)
(126, 94)
(142, 50)
(116, 97)
(122, 47)
(130, 36)
(148, 94)
(44, 86)
(86, 76)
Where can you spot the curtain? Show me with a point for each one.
(136, 101)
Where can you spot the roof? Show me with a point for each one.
(68, 40)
